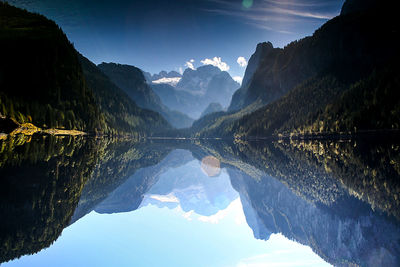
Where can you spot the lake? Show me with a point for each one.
(78, 201)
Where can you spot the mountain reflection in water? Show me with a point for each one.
(341, 199)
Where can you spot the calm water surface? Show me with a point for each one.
(102, 202)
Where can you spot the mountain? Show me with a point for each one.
(220, 88)
(41, 78)
(44, 80)
(342, 78)
(133, 82)
(171, 78)
(239, 96)
(197, 89)
(183, 101)
(213, 107)
(162, 74)
(120, 112)
(353, 6)
(196, 81)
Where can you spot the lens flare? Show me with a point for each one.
(247, 3)
(210, 166)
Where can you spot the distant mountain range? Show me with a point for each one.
(171, 78)
(133, 82)
(343, 78)
(196, 89)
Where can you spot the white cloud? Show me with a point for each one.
(190, 65)
(237, 79)
(217, 62)
(242, 62)
(180, 70)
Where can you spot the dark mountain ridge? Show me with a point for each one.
(41, 79)
(133, 82)
(353, 6)
(121, 114)
(362, 41)
(239, 97)
(44, 80)
(303, 86)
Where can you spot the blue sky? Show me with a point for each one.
(164, 35)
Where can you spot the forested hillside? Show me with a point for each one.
(45, 81)
(121, 114)
(132, 81)
(41, 79)
(343, 78)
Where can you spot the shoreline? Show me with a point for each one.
(12, 128)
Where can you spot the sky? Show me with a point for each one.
(157, 35)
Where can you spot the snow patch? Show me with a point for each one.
(171, 81)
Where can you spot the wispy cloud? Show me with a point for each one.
(298, 13)
(299, 3)
(268, 28)
(276, 15)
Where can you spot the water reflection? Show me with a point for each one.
(341, 199)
